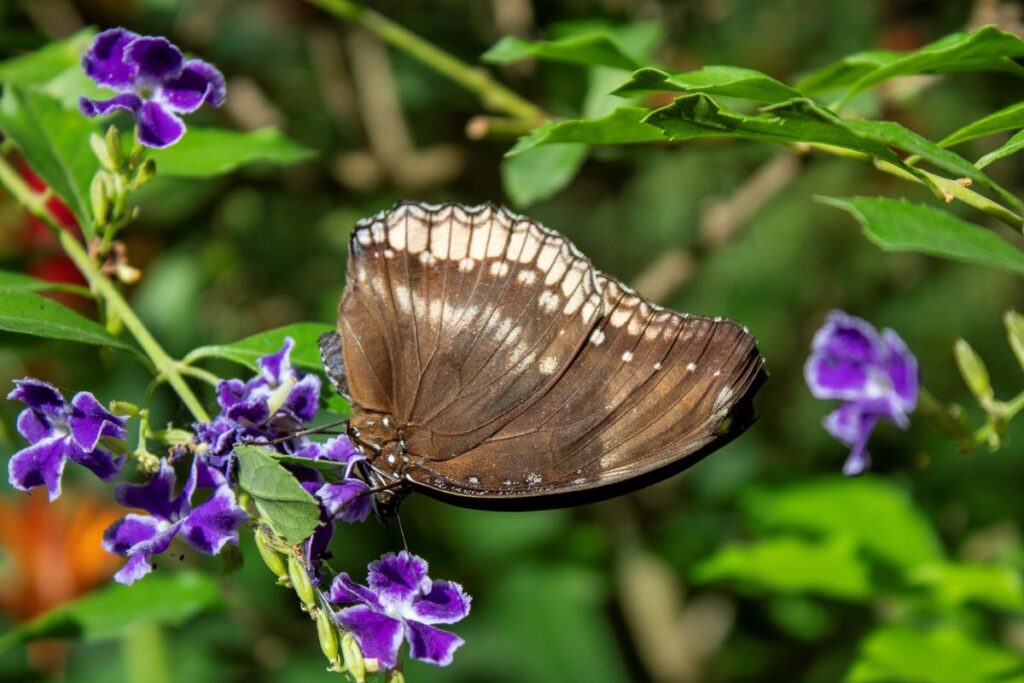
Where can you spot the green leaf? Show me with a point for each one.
(207, 152)
(328, 466)
(46, 63)
(55, 143)
(901, 654)
(24, 283)
(289, 510)
(893, 134)
(1012, 146)
(598, 49)
(988, 46)
(1007, 118)
(714, 80)
(540, 172)
(953, 584)
(28, 313)
(875, 515)
(306, 353)
(846, 71)
(791, 565)
(623, 126)
(699, 116)
(897, 225)
(172, 598)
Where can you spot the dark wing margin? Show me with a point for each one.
(650, 393)
(455, 320)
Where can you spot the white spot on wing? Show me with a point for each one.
(597, 337)
(627, 356)
(548, 365)
(548, 301)
(466, 264)
(527, 277)
(691, 367)
(499, 268)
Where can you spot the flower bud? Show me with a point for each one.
(354, 662)
(144, 173)
(129, 275)
(114, 148)
(328, 635)
(124, 408)
(396, 677)
(99, 148)
(172, 436)
(300, 582)
(270, 557)
(277, 399)
(1014, 322)
(98, 200)
(973, 370)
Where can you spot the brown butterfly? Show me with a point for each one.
(490, 365)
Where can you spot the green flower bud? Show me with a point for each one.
(973, 370)
(99, 148)
(172, 436)
(270, 557)
(354, 662)
(300, 582)
(277, 398)
(328, 635)
(396, 677)
(98, 200)
(1014, 322)
(144, 173)
(124, 408)
(114, 148)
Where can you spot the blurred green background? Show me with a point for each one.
(761, 563)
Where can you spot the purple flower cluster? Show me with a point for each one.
(154, 81)
(874, 375)
(58, 431)
(401, 603)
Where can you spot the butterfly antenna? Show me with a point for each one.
(321, 429)
(401, 531)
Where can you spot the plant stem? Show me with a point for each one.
(105, 289)
(476, 80)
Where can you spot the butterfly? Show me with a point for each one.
(490, 365)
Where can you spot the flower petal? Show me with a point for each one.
(33, 426)
(431, 645)
(348, 500)
(445, 603)
(129, 102)
(344, 590)
(104, 61)
(39, 395)
(138, 537)
(154, 496)
(103, 464)
(158, 127)
(89, 421)
(156, 58)
(317, 550)
(230, 392)
(199, 83)
(379, 636)
(220, 435)
(41, 464)
(250, 413)
(343, 450)
(276, 365)
(397, 578)
(845, 351)
(902, 371)
(849, 337)
(304, 399)
(210, 525)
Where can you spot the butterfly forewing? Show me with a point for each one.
(455, 320)
(517, 375)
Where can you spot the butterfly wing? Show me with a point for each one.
(648, 394)
(455, 320)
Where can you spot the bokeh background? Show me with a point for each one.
(647, 587)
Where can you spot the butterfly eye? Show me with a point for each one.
(513, 374)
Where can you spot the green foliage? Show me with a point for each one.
(305, 354)
(938, 655)
(46, 63)
(115, 610)
(1006, 118)
(539, 172)
(875, 515)
(588, 50)
(208, 152)
(282, 502)
(955, 584)
(790, 565)
(1009, 148)
(50, 137)
(28, 313)
(896, 225)
(730, 81)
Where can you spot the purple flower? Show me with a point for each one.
(206, 527)
(154, 81)
(874, 375)
(401, 603)
(58, 430)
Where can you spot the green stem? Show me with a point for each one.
(477, 81)
(104, 289)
